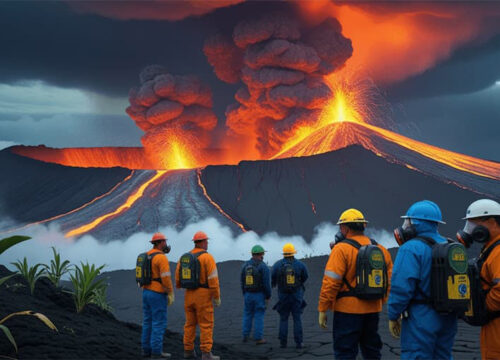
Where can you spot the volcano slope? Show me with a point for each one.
(92, 334)
(125, 297)
(294, 195)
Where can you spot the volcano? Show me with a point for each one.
(341, 165)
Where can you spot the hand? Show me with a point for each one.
(395, 328)
(217, 302)
(322, 320)
(170, 298)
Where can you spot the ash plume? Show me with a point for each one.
(281, 64)
(171, 108)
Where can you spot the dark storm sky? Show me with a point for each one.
(65, 76)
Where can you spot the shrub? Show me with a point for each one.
(57, 268)
(30, 273)
(85, 284)
(100, 299)
(39, 316)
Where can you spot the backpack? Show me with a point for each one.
(252, 278)
(143, 269)
(189, 271)
(450, 284)
(289, 281)
(477, 314)
(371, 273)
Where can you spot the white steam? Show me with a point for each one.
(223, 245)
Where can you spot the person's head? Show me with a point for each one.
(289, 250)
(200, 240)
(422, 217)
(351, 223)
(159, 242)
(482, 222)
(258, 252)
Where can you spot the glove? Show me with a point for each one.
(395, 328)
(217, 302)
(170, 298)
(322, 320)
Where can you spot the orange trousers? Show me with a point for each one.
(490, 340)
(199, 311)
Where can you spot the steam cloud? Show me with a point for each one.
(282, 68)
(171, 108)
(122, 254)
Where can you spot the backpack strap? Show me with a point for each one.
(196, 256)
(425, 299)
(374, 242)
(151, 260)
(350, 292)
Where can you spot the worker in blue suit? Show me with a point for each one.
(425, 333)
(256, 287)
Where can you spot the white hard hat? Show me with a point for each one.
(482, 208)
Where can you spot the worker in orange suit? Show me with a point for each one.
(197, 273)
(155, 298)
(483, 226)
(356, 307)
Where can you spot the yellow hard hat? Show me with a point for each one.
(351, 216)
(289, 249)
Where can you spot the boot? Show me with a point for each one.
(162, 355)
(260, 342)
(189, 354)
(209, 356)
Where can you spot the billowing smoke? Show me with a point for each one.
(121, 254)
(282, 65)
(173, 111)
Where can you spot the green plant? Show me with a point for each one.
(39, 316)
(30, 273)
(100, 299)
(86, 284)
(7, 243)
(57, 268)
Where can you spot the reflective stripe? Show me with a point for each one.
(166, 274)
(213, 274)
(333, 275)
(496, 281)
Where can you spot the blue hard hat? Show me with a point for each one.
(425, 210)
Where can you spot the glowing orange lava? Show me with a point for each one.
(127, 204)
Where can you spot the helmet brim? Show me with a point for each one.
(350, 222)
(420, 218)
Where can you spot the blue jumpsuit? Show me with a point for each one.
(426, 334)
(255, 302)
(290, 302)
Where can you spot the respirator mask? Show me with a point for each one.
(473, 232)
(405, 232)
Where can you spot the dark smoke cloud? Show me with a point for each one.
(282, 70)
(169, 107)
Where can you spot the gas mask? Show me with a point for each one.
(339, 236)
(405, 232)
(473, 232)
(166, 249)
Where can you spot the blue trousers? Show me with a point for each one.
(351, 331)
(427, 334)
(290, 305)
(154, 321)
(255, 308)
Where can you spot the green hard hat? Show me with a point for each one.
(257, 249)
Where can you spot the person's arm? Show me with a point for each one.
(404, 280)
(388, 264)
(266, 281)
(274, 275)
(335, 270)
(305, 273)
(242, 278)
(212, 275)
(493, 268)
(177, 276)
(165, 275)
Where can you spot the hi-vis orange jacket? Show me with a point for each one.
(490, 333)
(208, 273)
(342, 263)
(160, 269)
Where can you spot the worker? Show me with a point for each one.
(290, 275)
(256, 287)
(356, 304)
(425, 333)
(155, 297)
(483, 226)
(197, 273)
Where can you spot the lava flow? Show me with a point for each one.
(127, 204)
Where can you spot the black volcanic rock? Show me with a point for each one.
(32, 190)
(292, 196)
(92, 334)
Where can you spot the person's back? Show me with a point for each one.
(425, 332)
(289, 275)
